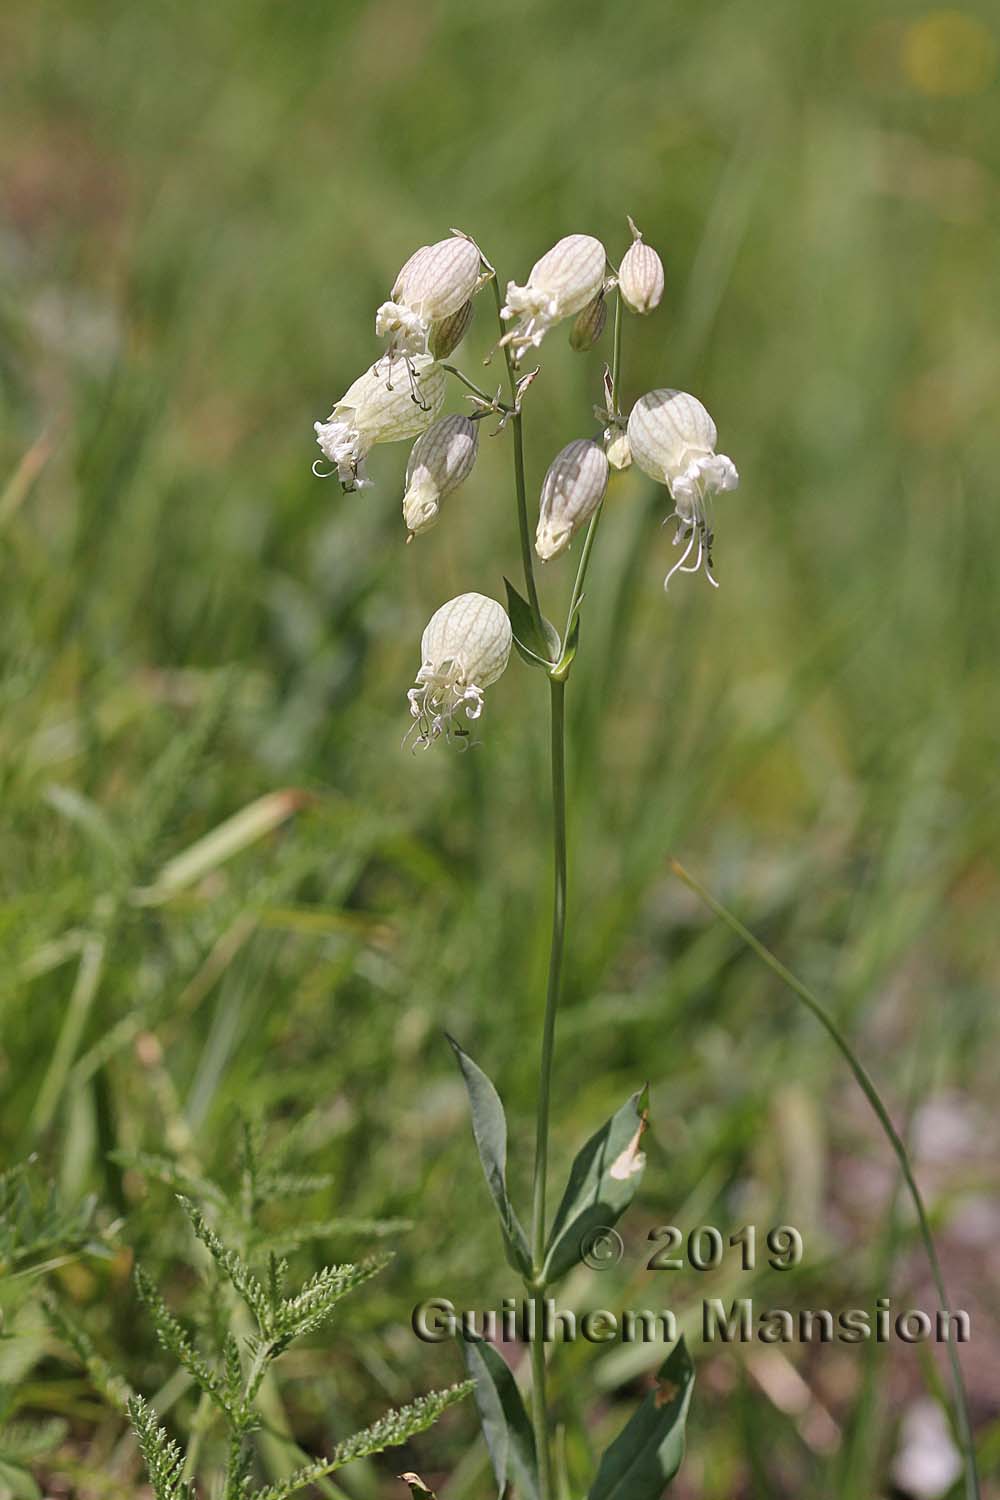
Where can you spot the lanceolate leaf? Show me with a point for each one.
(647, 1453)
(601, 1186)
(505, 1423)
(535, 648)
(489, 1126)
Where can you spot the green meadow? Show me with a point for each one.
(201, 206)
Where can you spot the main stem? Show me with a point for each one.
(595, 520)
(524, 530)
(540, 1421)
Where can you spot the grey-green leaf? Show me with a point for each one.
(536, 649)
(489, 1126)
(602, 1184)
(647, 1453)
(505, 1423)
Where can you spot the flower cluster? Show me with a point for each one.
(667, 433)
(426, 317)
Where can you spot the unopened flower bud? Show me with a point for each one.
(588, 324)
(380, 408)
(673, 439)
(617, 447)
(440, 460)
(565, 279)
(447, 333)
(572, 490)
(464, 649)
(640, 275)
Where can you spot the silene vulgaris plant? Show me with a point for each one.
(466, 647)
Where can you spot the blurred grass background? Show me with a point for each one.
(201, 208)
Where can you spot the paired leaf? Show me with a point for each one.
(647, 1453)
(489, 1126)
(505, 1424)
(536, 648)
(601, 1186)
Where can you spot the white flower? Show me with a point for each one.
(616, 446)
(406, 331)
(374, 410)
(640, 275)
(439, 462)
(672, 437)
(434, 285)
(572, 490)
(560, 284)
(464, 649)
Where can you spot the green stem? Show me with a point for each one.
(524, 530)
(539, 1402)
(200, 1423)
(500, 406)
(871, 1093)
(595, 520)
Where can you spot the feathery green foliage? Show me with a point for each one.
(389, 1431)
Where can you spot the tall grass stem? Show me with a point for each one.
(864, 1081)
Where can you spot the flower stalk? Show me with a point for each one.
(465, 649)
(523, 524)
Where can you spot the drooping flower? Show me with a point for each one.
(640, 275)
(372, 411)
(572, 490)
(439, 462)
(672, 437)
(560, 284)
(433, 285)
(464, 649)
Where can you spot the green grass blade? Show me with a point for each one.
(871, 1093)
